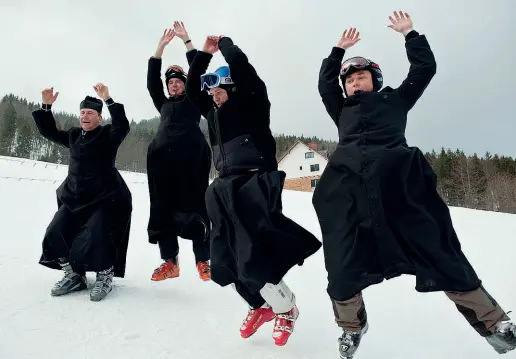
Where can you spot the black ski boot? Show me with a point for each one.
(349, 342)
(504, 338)
(71, 281)
(102, 285)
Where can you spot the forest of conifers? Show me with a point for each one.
(486, 182)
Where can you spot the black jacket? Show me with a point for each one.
(239, 130)
(92, 175)
(179, 117)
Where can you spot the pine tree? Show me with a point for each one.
(25, 135)
(8, 130)
(478, 183)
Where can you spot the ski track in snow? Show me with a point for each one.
(186, 318)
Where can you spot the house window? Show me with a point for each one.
(309, 155)
(314, 183)
(314, 168)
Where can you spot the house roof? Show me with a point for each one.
(287, 152)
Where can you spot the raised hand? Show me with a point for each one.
(102, 91)
(168, 35)
(48, 97)
(211, 45)
(402, 22)
(180, 30)
(349, 38)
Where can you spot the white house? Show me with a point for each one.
(303, 161)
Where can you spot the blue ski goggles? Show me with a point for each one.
(211, 80)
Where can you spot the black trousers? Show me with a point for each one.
(255, 301)
(169, 244)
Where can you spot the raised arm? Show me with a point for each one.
(45, 121)
(190, 56)
(119, 122)
(329, 87)
(244, 75)
(182, 33)
(193, 90)
(422, 61)
(154, 82)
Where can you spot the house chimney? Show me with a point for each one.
(313, 146)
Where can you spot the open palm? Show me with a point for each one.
(401, 22)
(168, 35)
(349, 38)
(48, 97)
(180, 30)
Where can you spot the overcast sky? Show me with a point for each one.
(470, 104)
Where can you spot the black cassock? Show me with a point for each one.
(178, 164)
(377, 203)
(252, 241)
(91, 226)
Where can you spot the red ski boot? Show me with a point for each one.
(204, 270)
(284, 326)
(255, 319)
(167, 270)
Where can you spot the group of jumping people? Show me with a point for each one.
(376, 202)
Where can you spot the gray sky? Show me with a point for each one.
(470, 104)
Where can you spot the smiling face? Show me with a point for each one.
(359, 81)
(175, 86)
(90, 119)
(219, 95)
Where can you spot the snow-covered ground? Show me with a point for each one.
(188, 319)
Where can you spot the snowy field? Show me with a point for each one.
(185, 318)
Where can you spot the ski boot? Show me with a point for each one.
(168, 270)
(204, 270)
(71, 281)
(349, 342)
(503, 340)
(102, 286)
(284, 326)
(255, 319)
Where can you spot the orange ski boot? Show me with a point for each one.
(204, 270)
(284, 326)
(167, 270)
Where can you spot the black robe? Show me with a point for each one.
(94, 195)
(377, 203)
(178, 163)
(252, 242)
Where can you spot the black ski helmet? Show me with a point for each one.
(358, 63)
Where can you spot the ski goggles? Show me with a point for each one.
(211, 80)
(358, 63)
(175, 69)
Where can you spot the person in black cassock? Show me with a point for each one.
(253, 245)
(90, 230)
(380, 213)
(178, 166)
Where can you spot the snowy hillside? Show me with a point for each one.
(187, 319)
